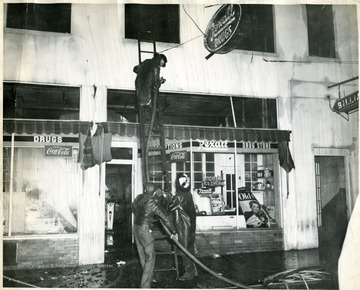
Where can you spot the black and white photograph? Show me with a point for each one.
(180, 144)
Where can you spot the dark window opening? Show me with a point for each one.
(161, 20)
(197, 110)
(258, 25)
(28, 101)
(255, 113)
(42, 17)
(121, 153)
(320, 25)
(121, 106)
(216, 111)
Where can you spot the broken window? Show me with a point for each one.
(258, 25)
(29, 101)
(161, 20)
(320, 25)
(42, 17)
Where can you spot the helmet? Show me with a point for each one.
(182, 182)
(150, 188)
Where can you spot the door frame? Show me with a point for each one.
(134, 169)
(339, 152)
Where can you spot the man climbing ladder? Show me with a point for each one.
(148, 79)
(147, 84)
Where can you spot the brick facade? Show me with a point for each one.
(56, 252)
(233, 241)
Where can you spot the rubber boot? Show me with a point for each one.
(196, 273)
(189, 273)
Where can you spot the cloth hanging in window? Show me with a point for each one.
(285, 158)
(101, 145)
(85, 151)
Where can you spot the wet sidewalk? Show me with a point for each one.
(122, 270)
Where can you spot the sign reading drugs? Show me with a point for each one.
(347, 103)
(222, 33)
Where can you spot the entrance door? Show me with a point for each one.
(118, 198)
(331, 205)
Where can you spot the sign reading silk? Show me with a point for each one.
(222, 33)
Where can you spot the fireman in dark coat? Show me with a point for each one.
(145, 207)
(148, 78)
(185, 222)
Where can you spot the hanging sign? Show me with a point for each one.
(222, 33)
(63, 151)
(178, 156)
(347, 103)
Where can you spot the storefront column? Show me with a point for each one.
(92, 200)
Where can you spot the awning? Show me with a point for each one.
(225, 133)
(21, 126)
(171, 132)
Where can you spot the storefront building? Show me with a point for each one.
(230, 120)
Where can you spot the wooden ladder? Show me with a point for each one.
(153, 154)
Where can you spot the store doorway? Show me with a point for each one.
(118, 198)
(331, 205)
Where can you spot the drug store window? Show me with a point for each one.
(42, 196)
(246, 188)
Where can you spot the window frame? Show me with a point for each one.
(334, 51)
(14, 103)
(41, 28)
(168, 38)
(10, 234)
(255, 40)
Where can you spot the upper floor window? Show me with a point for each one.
(30, 101)
(258, 25)
(42, 17)
(161, 20)
(320, 25)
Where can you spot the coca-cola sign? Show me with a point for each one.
(178, 156)
(64, 151)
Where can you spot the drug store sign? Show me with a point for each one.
(211, 145)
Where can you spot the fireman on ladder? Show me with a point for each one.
(148, 79)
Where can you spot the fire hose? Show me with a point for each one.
(194, 259)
